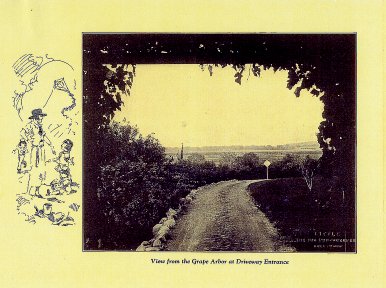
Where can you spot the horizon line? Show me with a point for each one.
(240, 145)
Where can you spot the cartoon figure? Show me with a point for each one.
(64, 161)
(21, 150)
(45, 86)
(34, 135)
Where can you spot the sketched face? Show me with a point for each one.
(67, 145)
(23, 146)
(39, 119)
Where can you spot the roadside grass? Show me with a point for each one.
(309, 221)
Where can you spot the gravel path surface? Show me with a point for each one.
(223, 217)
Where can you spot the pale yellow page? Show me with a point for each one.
(45, 254)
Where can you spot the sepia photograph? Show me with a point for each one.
(219, 142)
(192, 143)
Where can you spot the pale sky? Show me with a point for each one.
(181, 103)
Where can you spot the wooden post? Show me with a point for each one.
(266, 164)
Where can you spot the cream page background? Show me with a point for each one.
(32, 256)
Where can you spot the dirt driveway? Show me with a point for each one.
(223, 217)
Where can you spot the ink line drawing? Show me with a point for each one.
(47, 108)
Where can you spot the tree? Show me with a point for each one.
(247, 166)
(308, 168)
(105, 86)
(290, 165)
(228, 159)
(196, 158)
(135, 185)
(249, 160)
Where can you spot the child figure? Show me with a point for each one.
(21, 153)
(64, 161)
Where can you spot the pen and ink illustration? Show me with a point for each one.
(219, 142)
(45, 103)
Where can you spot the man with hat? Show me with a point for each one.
(35, 136)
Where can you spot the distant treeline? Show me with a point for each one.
(311, 146)
(271, 155)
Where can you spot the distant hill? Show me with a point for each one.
(302, 146)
